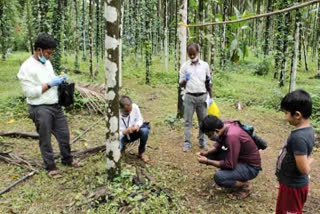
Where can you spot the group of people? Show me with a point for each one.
(234, 152)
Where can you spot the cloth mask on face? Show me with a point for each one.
(42, 59)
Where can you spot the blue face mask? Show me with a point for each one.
(42, 59)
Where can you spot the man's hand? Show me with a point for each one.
(202, 153)
(187, 77)
(210, 101)
(135, 128)
(57, 81)
(202, 159)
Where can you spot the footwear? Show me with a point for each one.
(186, 147)
(243, 193)
(144, 158)
(55, 174)
(73, 164)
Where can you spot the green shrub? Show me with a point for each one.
(263, 68)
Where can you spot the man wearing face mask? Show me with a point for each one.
(194, 75)
(235, 153)
(132, 126)
(40, 86)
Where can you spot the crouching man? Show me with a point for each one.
(132, 126)
(235, 153)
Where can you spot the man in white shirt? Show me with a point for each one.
(40, 86)
(195, 77)
(132, 126)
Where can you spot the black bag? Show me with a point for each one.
(261, 144)
(66, 94)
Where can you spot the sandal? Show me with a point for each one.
(55, 174)
(144, 158)
(242, 193)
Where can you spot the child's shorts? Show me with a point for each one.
(291, 200)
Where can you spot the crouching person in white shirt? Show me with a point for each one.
(132, 126)
(40, 86)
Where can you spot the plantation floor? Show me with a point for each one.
(171, 167)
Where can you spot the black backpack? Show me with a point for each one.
(66, 94)
(261, 144)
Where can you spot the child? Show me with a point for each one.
(293, 165)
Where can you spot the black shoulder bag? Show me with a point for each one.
(66, 94)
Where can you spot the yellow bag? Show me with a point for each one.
(213, 109)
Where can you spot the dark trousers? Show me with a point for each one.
(142, 134)
(50, 119)
(227, 178)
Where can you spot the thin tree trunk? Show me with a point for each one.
(223, 37)
(98, 40)
(91, 38)
(294, 64)
(305, 54)
(318, 36)
(267, 30)
(120, 47)
(112, 23)
(166, 57)
(213, 49)
(284, 50)
(30, 35)
(84, 47)
(183, 14)
(56, 28)
(76, 38)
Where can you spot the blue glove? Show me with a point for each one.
(57, 81)
(187, 77)
(210, 101)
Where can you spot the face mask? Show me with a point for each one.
(124, 113)
(195, 59)
(214, 137)
(42, 59)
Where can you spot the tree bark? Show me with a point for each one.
(166, 51)
(84, 47)
(294, 63)
(267, 30)
(76, 38)
(112, 43)
(183, 14)
(30, 35)
(91, 38)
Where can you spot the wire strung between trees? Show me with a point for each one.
(253, 17)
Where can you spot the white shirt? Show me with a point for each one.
(32, 75)
(133, 119)
(198, 72)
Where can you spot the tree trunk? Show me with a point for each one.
(84, 47)
(267, 30)
(3, 31)
(166, 54)
(284, 50)
(76, 38)
(98, 40)
(91, 38)
(30, 35)
(305, 54)
(294, 63)
(120, 47)
(213, 49)
(318, 36)
(223, 36)
(112, 23)
(56, 29)
(183, 14)
(257, 28)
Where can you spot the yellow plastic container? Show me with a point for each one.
(213, 109)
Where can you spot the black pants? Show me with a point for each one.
(50, 119)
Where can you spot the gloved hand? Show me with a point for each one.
(187, 77)
(210, 101)
(57, 81)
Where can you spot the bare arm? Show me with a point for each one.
(303, 163)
